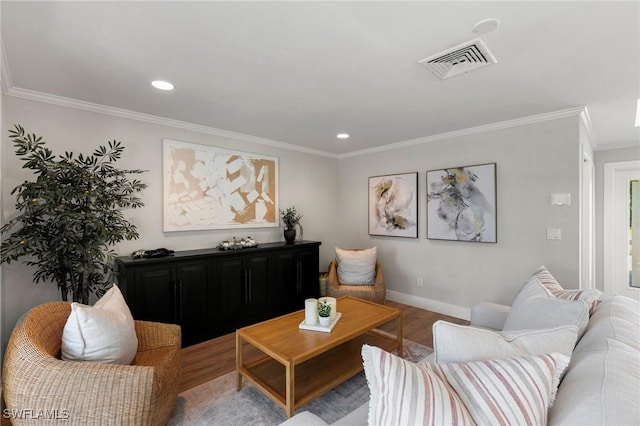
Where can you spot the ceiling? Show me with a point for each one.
(301, 72)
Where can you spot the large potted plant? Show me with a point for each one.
(290, 218)
(70, 215)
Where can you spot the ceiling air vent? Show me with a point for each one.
(459, 59)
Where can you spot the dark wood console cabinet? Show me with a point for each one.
(211, 292)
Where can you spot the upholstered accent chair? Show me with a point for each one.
(376, 292)
(89, 393)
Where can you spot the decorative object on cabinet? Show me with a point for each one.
(461, 203)
(290, 218)
(236, 244)
(393, 205)
(211, 292)
(213, 188)
(71, 215)
(159, 252)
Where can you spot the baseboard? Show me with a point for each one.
(456, 311)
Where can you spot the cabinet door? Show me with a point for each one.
(286, 272)
(307, 265)
(192, 281)
(229, 282)
(155, 294)
(259, 285)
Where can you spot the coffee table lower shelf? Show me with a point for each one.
(315, 376)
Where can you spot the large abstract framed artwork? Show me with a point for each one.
(212, 188)
(393, 205)
(461, 203)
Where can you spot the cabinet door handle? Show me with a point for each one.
(176, 301)
(250, 286)
(180, 300)
(298, 276)
(246, 288)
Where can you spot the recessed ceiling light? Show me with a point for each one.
(162, 85)
(485, 26)
(342, 135)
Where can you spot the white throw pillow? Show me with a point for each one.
(535, 307)
(461, 343)
(357, 267)
(514, 391)
(104, 332)
(589, 296)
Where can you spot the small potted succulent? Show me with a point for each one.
(290, 218)
(324, 312)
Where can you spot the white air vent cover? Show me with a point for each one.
(459, 59)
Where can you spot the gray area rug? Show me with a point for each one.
(218, 403)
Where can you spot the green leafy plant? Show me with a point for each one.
(70, 215)
(290, 217)
(324, 309)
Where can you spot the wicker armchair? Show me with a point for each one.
(375, 293)
(38, 382)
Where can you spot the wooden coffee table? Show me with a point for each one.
(298, 366)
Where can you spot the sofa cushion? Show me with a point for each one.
(357, 267)
(460, 343)
(104, 332)
(535, 307)
(618, 318)
(589, 296)
(601, 387)
(507, 391)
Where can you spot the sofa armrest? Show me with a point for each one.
(154, 335)
(489, 315)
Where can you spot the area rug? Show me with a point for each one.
(218, 403)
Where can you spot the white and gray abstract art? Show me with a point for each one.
(461, 203)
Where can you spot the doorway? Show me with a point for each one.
(622, 229)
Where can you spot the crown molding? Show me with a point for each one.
(153, 119)
(162, 121)
(569, 112)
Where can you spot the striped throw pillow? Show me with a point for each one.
(590, 296)
(506, 391)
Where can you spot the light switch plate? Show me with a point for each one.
(554, 234)
(560, 199)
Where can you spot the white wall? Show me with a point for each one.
(532, 162)
(602, 158)
(307, 181)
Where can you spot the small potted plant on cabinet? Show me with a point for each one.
(324, 313)
(290, 218)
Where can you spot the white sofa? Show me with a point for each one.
(601, 385)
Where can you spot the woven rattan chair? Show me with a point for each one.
(38, 382)
(375, 293)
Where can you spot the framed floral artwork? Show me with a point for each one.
(461, 204)
(393, 205)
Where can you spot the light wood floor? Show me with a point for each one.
(214, 358)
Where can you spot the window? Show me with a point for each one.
(633, 265)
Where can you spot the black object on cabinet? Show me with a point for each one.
(211, 292)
